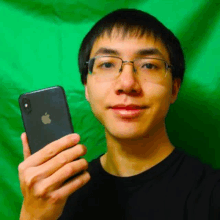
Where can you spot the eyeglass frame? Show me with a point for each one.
(167, 65)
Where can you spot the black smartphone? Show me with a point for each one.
(46, 117)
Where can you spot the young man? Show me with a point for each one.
(132, 68)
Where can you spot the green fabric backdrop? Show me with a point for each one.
(39, 42)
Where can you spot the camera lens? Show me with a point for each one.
(26, 102)
(27, 105)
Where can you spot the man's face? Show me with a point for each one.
(155, 98)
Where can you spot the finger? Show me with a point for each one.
(60, 176)
(52, 149)
(26, 148)
(71, 186)
(67, 156)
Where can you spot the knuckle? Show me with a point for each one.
(63, 159)
(80, 181)
(50, 152)
(30, 177)
(83, 179)
(21, 167)
(39, 192)
(69, 170)
(55, 198)
(29, 181)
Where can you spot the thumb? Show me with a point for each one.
(26, 148)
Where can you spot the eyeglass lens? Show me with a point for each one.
(108, 68)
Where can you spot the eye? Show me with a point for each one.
(149, 66)
(107, 65)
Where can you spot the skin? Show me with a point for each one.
(137, 144)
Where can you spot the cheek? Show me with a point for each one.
(159, 98)
(97, 97)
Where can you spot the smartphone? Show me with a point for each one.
(46, 117)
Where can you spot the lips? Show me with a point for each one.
(128, 111)
(128, 107)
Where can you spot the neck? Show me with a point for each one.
(133, 156)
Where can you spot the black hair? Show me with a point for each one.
(138, 23)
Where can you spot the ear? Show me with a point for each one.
(86, 92)
(175, 89)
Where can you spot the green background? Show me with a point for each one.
(39, 42)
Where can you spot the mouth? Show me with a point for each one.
(128, 107)
(128, 112)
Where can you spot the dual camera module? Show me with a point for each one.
(26, 105)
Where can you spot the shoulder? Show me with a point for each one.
(206, 180)
(194, 165)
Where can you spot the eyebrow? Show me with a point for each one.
(104, 50)
(149, 51)
(142, 52)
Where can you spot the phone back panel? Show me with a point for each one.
(49, 118)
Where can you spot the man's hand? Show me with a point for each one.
(42, 176)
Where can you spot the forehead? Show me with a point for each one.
(130, 44)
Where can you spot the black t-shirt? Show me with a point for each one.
(178, 188)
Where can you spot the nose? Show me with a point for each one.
(128, 81)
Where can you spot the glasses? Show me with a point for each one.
(106, 68)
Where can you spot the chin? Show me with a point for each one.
(127, 135)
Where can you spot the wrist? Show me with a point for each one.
(24, 215)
